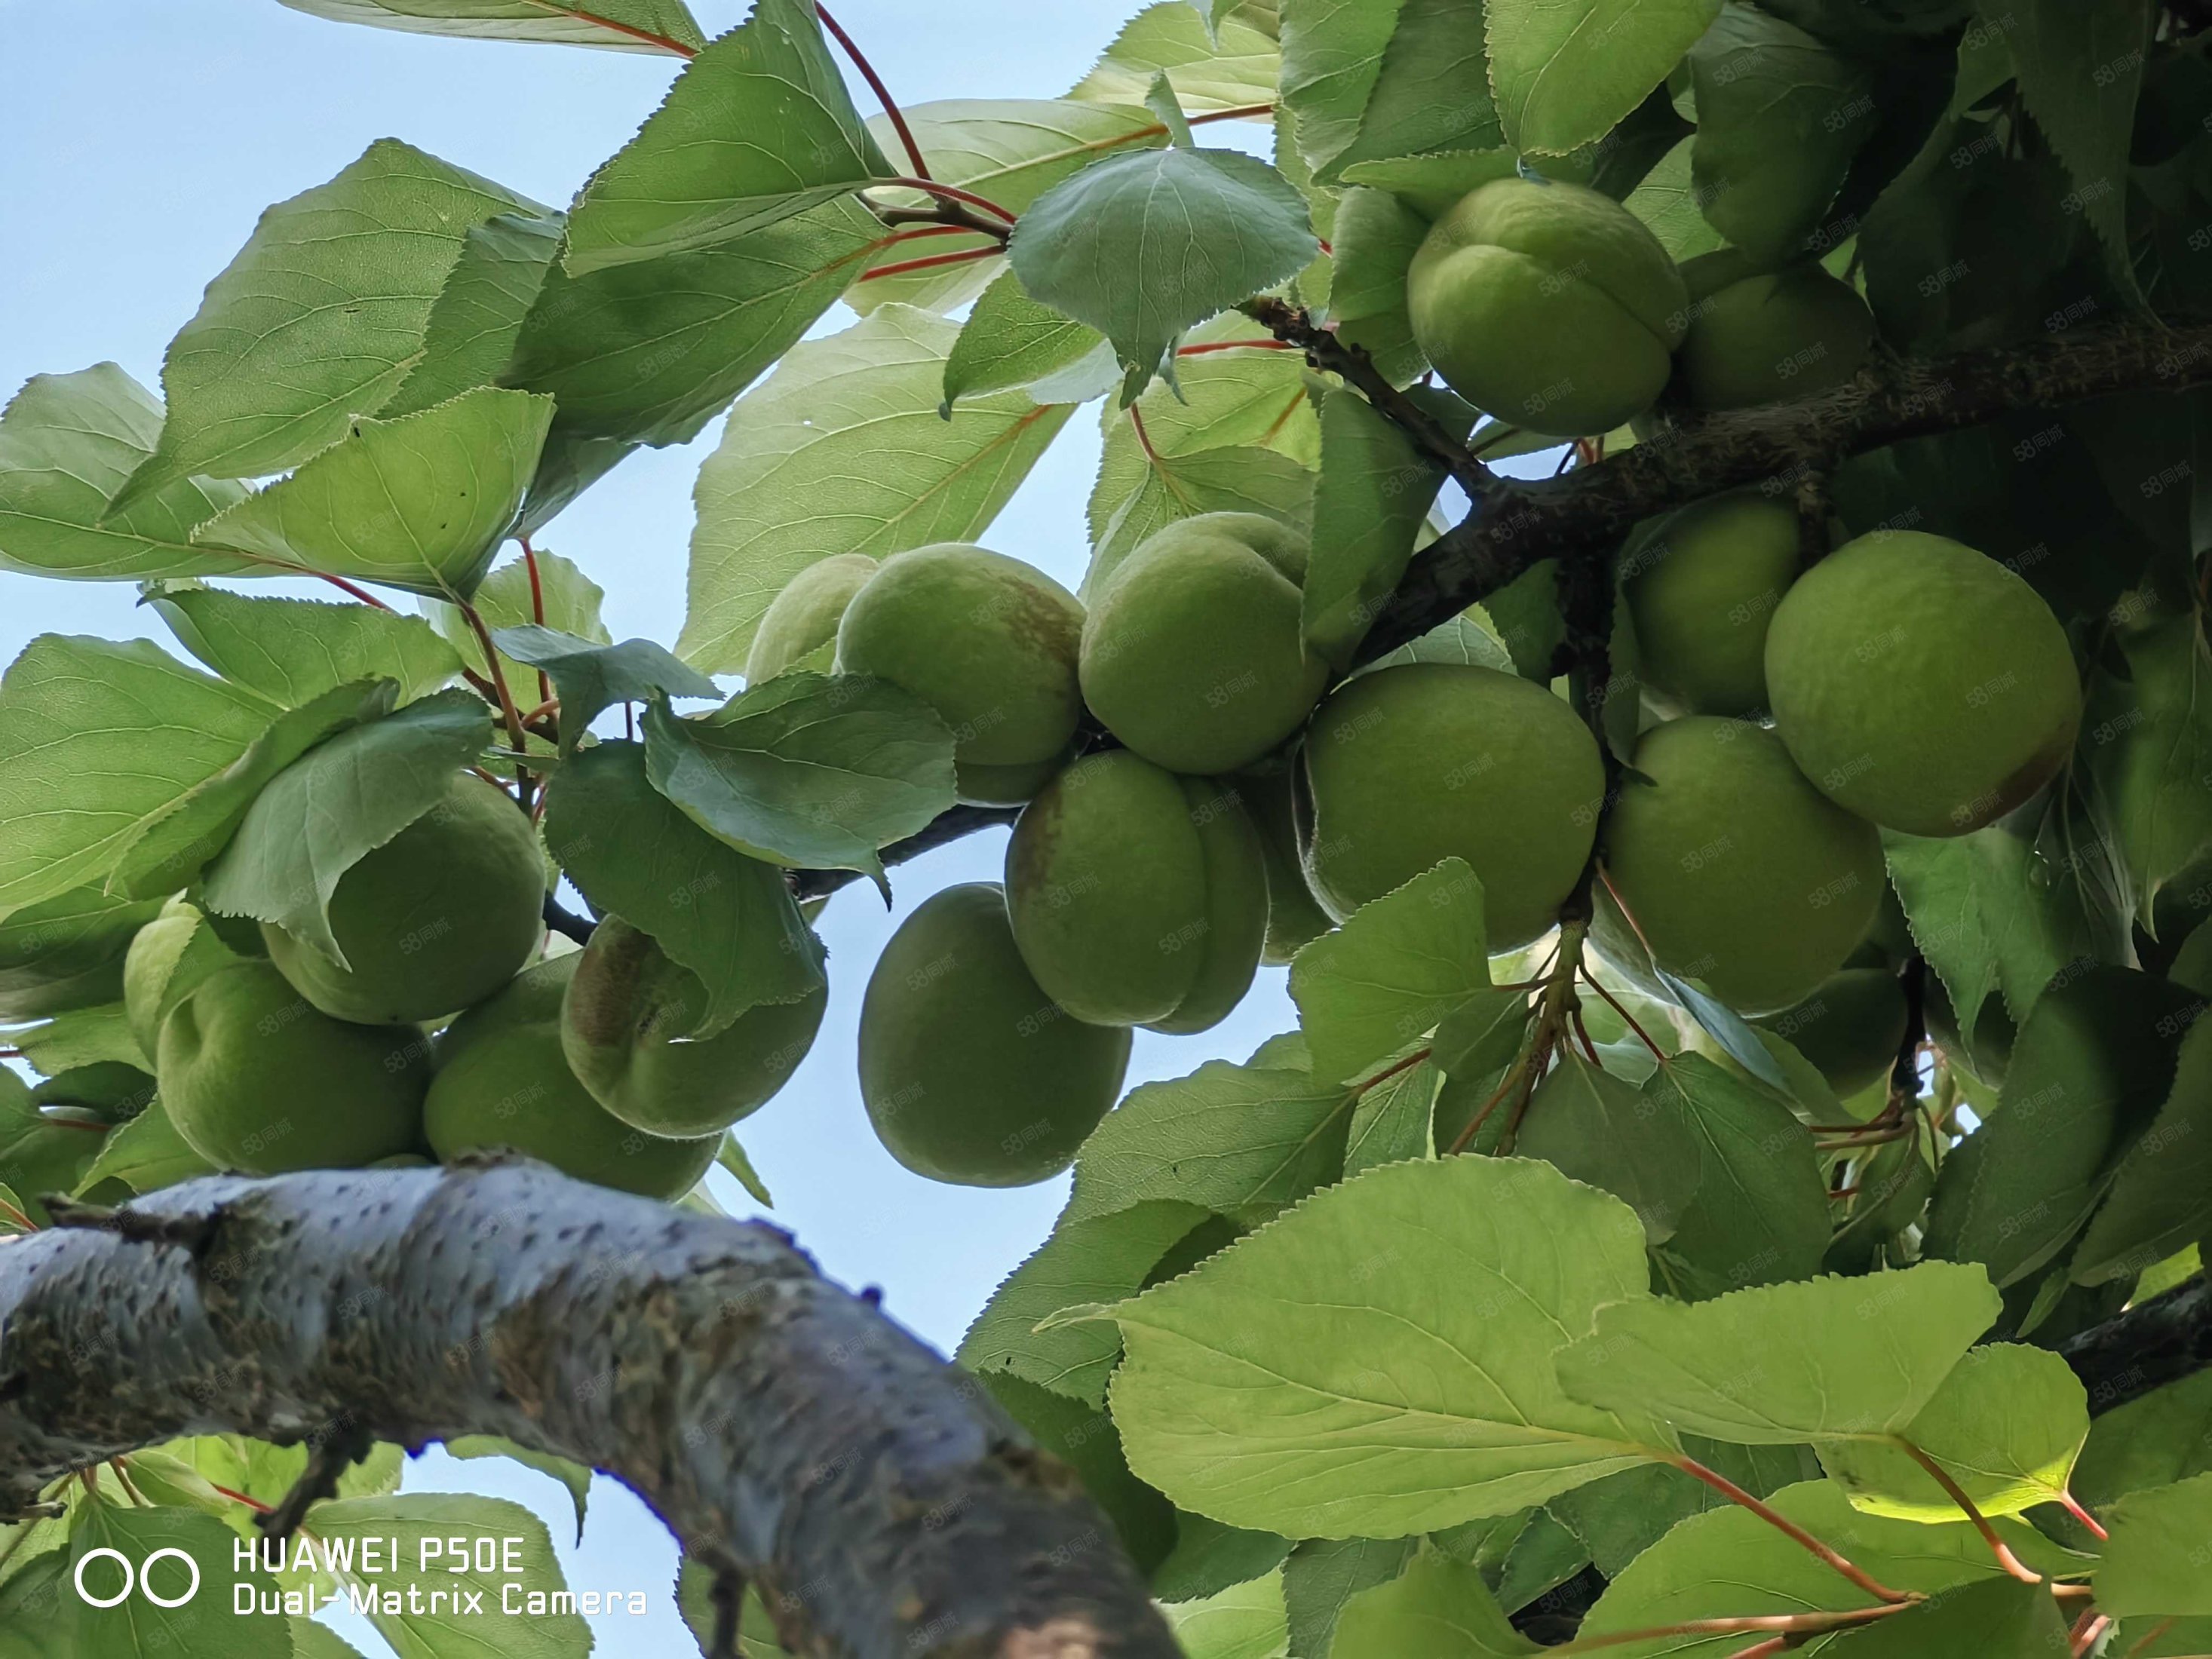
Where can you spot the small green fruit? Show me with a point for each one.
(436, 920)
(1410, 766)
(67, 952)
(1702, 592)
(1787, 334)
(1295, 917)
(1194, 654)
(1736, 870)
(1137, 897)
(1851, 1028)
(501, 1080)
(799, 630)
(1279, 544)
(1920, 684)
(171, 955)
(1549, 305)
(258, 1080)
(989, 643)
(625, 1028)
(971, 1074)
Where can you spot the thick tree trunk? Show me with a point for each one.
(787, 1430)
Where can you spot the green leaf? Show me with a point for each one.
(1601, 1130)
(265, 1473)
(1394, 1121)
(1482, 1037)
(338, 803)
(1372, 499)
(650, 353)
(1143, 246)
(2080, 69)
(2161, 1194)
(1399, 965)
(1083, 1262)
(842, 450)
(1624, 1515)
(67, 444)
(1671, 205)
(573, 1478)
(1784, 1362)
(478, 314)
(41, 1152)
(591, 676)
(2152, 1440)
(172, 850)
(98, 739)
(1730, 1563)
(1439, 1609)
(1998, 1619)
(1310, 1380)
(419, 503)
(1760, 1213)
(1234, 478)
(35, 1606)
(1233, 69)
(82, 1037)
(1433, 90)
(1011, 342)
(66, 952)
(694, 1601)
(1323, 1574)
(1210, 1558)
(659, 26)
(309, 1640)
(145, 1154)
(728, 918)
(1430, 184)
(1332, 56)
(138, 1625)
(806, 771)
(2006, 1426)
(570, 601)
(2153, 758)
(1565, 73)
(2156, 1562)
(757, 127)
(14, 1213)
(318, 319)
(1245, 1621)
(1243, 1141)
(292, 651)
(732, 1157)
(1082, 1437)
(1375, 238)
(1779, 117)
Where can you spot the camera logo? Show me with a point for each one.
(140, 1578)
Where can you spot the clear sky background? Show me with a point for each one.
(144, 138)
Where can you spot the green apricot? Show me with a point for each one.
(1194, 654)
(1735, 869)
(1137, 897)
(1280, 544)
(970, 1073)
(1295, 917)
(1783, 334)
(1851, 1028)
(1702, 592)
(258, 1080)
(169, 957)
(436, 920)
(1923, 686)
(67, 952)
(625, 1028)
(799, 630)
(1548, 306)
(1409, 766)
(989, 643)
(501, 1080)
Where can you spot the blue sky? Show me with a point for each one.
(147, 137)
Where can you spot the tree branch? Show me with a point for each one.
(784, 1429)
(2152, 1344)
(942, 831)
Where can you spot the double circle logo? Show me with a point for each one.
(139, 1578)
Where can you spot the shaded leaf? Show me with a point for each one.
(591, 676)
(1010, 342)
(292, 651)
(478, 314)
(1433, 91)
(1438, 1609)
(1564, 74)
(2155, 1563)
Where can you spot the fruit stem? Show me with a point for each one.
(2011, 1563)
(507, 709)
(536, 611)
(1735, 1494)
(891, 111)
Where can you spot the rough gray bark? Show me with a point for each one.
(2152, 1344)
(787, 1432)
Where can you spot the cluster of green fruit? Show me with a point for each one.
(271, 1053)
(1554, 308)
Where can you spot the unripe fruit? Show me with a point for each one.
(1787, 334)
(1736, 870)
(1549, 305)
(799, 630)
(990, 644)
(972, 1074)
(501, 1080)
(168, 958)
(433, 921)
(1295, 917)
(1137, 897)
(1194, 654)
(1850, 1029)
(1279, 544)
(1920, 684)
(1703, 591)
(257, 1080)
(625, 1029)
(1409, 766)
